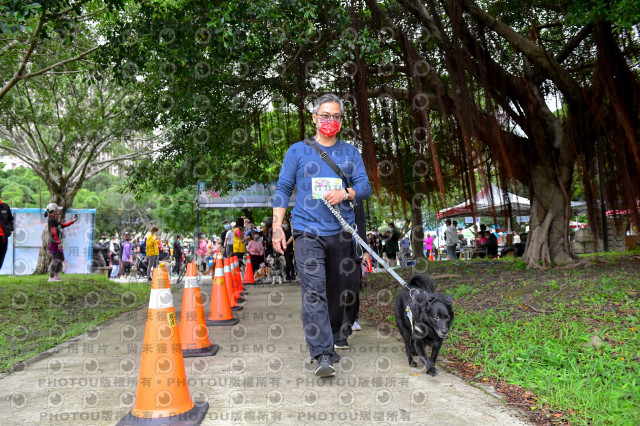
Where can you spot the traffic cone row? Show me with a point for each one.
(228, 280)
(220, 311)
(163, 395)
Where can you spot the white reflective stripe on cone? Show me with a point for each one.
(160, 298)
(227, 268)
(191, 282)
(219, 273)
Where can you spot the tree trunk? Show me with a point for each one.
(548, 238)
(417, 231)
(44, 258)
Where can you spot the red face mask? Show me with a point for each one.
(329, 128)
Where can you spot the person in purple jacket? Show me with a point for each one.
(126, 256)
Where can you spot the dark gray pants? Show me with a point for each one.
(328, 276)
(152, 262)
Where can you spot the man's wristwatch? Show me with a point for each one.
(347, 191)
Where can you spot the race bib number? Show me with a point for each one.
(321, 185)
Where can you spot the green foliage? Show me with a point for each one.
(38, 315)
(21, 187)
(624, 14)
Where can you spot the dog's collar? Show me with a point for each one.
(431, 297)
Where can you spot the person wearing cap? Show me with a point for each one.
(56, 236)
(239, 240)
(324, 251)
(6, 228)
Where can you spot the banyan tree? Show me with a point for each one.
(536, 94)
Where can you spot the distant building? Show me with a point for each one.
(10, 162)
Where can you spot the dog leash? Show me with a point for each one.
(336, 212)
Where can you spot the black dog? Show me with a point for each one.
(423, 318)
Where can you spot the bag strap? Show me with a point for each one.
(327, 159)
(323, 154)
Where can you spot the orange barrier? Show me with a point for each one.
(238, 290)
(248, 271)
(220, 311)
(228, 280)
(163, 393)
(194, 335)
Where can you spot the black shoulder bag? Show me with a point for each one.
(357, 254)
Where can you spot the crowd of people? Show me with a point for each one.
(237, 238)
(123, 254)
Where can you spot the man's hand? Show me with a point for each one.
(335, 196)
(60, 246)
(279, 239)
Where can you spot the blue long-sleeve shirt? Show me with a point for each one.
(311, 176)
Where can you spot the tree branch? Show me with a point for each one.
(44, 70)
(573, 43)
(535, 53)
(25, 58)
(18, 154)
(9, 46)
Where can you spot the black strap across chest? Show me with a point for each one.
(327, 159)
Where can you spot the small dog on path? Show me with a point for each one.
(423, 317)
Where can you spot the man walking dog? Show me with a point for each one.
(323, 250)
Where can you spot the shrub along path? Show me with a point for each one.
(561, 344)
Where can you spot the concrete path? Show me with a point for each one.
(261, 375)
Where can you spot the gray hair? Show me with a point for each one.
(329, 97)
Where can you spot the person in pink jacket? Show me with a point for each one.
(428, 245)
(256, 250)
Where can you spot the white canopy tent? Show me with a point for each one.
(490, 201)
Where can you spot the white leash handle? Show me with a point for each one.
(336, 212)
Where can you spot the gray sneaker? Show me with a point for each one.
(324, 366)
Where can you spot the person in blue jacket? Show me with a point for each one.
(323, 250)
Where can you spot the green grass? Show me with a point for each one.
(37, 315)
(528, 327)
(547, 353)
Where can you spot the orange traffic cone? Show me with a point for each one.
(248, 271)
(431, 256)
(237, 276)
(228, 280)
(163, 393)
(220, 311)
(194, 335)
